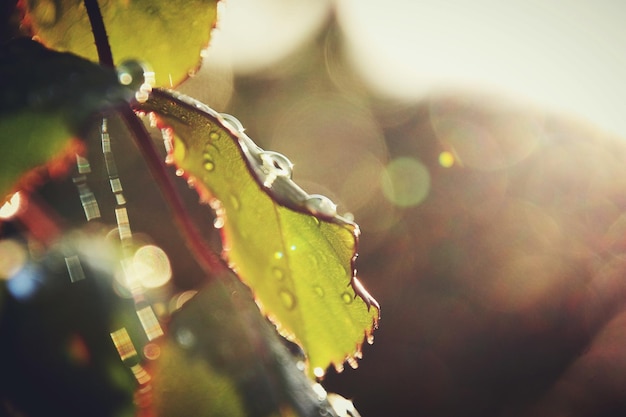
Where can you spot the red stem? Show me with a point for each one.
(208, 260)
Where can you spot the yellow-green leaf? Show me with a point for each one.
(45, 98)
(290, 247)
(167, 34)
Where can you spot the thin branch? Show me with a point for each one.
(105, 56)
(208, 260)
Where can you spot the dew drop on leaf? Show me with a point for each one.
(318, 372)
(278, 273)
(319, 204)
(288, 299)
(275, 165)
(347, 298)
(233, 122)
(209, 165)
(218, 223)
(235, 203)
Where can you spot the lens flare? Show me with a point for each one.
(405, 182)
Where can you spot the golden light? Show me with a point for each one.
(152, 266)
(446, 159)
(560, 55)
(11, 207)
(13, 256)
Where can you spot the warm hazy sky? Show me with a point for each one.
(564, 55)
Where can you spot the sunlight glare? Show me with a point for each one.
(564, 56)
(11, 207)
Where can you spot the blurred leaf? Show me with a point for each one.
(222, 358)
(46, 99)
(290, 247)
(168, 35)
(56, 355)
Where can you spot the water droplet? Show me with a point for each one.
(153, 119)
(319, 391)
(293, 247)
(234, 201)
(319, 204)
(185, 337)
(209, 165)
(233, 122)
(278, 162)
(218, 223)
(352, 362)
(370, 339)
(275, 165)
(180, 172)
(191, 182)
(319, 372)
(347, 297)
(278, 273)
(131, 73)
(314, 259)
(288, 299)
(278, 255)
(358, 354)
(339, 367)
(319, 290)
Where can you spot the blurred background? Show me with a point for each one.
(480, 147)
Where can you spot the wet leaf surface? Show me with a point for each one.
(290, 247)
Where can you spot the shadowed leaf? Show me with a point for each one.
(223, 358)
(46, 98)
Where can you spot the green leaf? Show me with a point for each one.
(290, 247)
(46, 99)
(167, 34)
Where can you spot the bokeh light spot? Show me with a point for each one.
(152, 266)
(446, 159)
(25, 283)
(405, 182)
(11, 207)
(12, 258)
